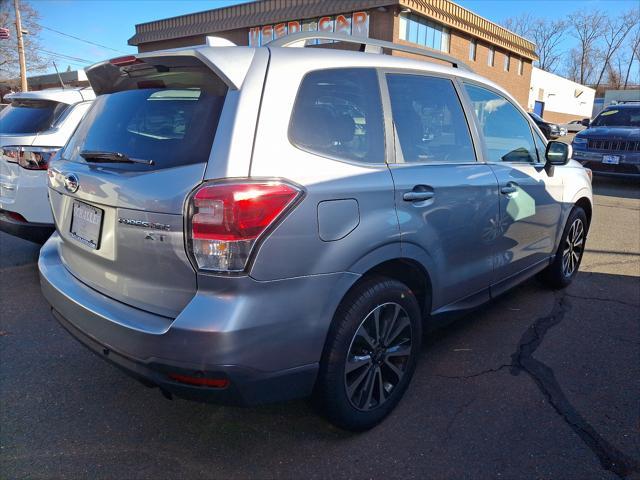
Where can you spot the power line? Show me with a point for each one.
(67, 57)
(81, 39)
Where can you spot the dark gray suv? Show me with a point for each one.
(249, 225)
(611, 144)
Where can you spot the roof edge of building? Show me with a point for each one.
(265, 12)
(243, 15)
(460, 18)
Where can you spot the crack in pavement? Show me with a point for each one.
(483, 372)
(600, 299)
(609, 456)
(458, 412)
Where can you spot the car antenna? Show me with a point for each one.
(59, 77)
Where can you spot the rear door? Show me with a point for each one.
(119, 189)
(447, 201)
(530, 198)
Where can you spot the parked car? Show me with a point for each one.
(611, 144)
(550, 130)
(248, 225)
(575, 126)
(33, 127)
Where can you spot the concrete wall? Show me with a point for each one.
(563, 99)
(621, 96)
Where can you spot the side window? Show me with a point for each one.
(429, 120)
(506, 132)
(338, 114)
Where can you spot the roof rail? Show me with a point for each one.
(371, 45)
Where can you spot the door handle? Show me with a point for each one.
(414, 196)
(508, 189)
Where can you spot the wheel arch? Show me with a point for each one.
(585, 204)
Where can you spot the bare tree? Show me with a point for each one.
(587, 28)
(520, 25)
(634, 46)
(614, 74)
(9, 48)
(548, 38)
(547, 35)
(614, 33)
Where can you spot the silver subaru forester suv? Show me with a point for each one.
(249, 225)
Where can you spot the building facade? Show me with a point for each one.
(557, 99)
(489, 49)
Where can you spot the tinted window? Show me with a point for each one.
(429, 120)
(338, 114)
(29, 116)
(618, 117)
(506, 132)
(169, 126)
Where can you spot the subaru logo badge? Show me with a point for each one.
(71, 183)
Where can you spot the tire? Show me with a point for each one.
(560, 273)
(361, 380)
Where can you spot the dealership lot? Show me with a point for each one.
(538, 383)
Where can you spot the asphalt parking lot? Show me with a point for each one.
(538, 384)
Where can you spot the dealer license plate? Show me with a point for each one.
(611, 159)
(86, 223)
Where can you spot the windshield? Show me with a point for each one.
(618, 117)
(29, 116)
(166, 126)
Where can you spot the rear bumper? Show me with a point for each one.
(259, 340)
(246, 386)
(34, 232)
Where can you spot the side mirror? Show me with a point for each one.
(558, 153)
(585, 122)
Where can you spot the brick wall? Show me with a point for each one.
(516, 84)
(557, 117)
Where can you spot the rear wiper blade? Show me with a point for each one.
(116, 157)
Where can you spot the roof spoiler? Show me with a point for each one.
(231, 65)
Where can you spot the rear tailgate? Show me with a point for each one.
(119, 188)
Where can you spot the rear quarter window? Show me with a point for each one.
(338, 114)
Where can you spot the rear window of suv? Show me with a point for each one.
(169, 118)
(29, 116)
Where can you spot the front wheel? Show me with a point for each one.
(567, 260)
(370, 354)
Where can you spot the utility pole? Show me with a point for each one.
(23, 63)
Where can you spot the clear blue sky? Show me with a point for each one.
(112, 22)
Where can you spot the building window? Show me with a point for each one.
(507, 62)
(473, 47)
(420, 30)
(520, 66)
(492, 55)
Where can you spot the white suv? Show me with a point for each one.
(32, 129)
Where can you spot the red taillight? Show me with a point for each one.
(124, 61)
(30, 158)
(200, 381)
(226, 219)
(14, 216)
